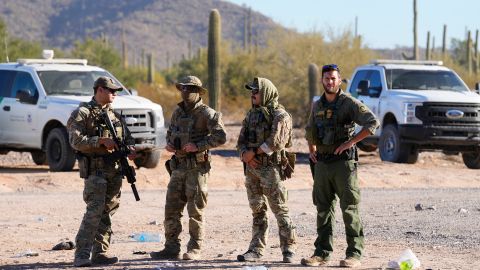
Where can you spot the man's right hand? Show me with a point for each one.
(247, 156)
(108, 143)
(170, 148)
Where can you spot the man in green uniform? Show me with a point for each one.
(89, 136)
(194, 129)
(331, 142)
(266, 132)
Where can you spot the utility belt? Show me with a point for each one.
(95, 164)
(190, 161)
(266, 160)
(349, 154)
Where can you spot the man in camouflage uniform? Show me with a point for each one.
(89, 136)
(331, 141)
(194, 129)
(266, 132)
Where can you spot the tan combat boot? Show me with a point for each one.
(193, 254)
(102, 258)
(350, 262)
(82, 261)
(314, 261)
(165, 254)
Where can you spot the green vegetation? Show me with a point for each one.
(16, 48)
(284, 58)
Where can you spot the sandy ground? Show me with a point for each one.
(40, 208)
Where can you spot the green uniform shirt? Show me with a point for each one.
(348, 111)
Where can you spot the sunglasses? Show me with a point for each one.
(330, 67)
(255, 91)
(112, 91)
(188, 88)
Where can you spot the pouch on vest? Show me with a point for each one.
(288, 164)
(329, 136)
(83, 166)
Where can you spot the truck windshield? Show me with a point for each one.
(75, 83)
(424, 80)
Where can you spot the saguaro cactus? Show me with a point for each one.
(124, 51)
(469, 53)
(475, 56)
(151, 68)
(312, 81)
(427, 50)
(214, 79)
(444, 41)
(415, 44)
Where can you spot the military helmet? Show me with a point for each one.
(192, 81)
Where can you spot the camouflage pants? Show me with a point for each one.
(186, 187)
(102, 196)
(264, 184)
(338, 178)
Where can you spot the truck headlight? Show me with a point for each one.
(159, 120)
(409, 113)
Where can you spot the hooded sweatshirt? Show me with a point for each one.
(267, 125)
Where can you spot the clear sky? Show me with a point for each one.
(382, 23)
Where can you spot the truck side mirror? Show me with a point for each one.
(362, 88)
(477, 88)
(25, 96)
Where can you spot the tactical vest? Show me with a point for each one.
(96, 127)
(327, 123)
(259, 129)
(183, 131)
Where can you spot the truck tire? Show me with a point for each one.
(148, 159)
(472, 160)
(365, 147)
(39, 157)
(60, 154)
(392, 149)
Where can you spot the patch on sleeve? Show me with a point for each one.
(363, 109)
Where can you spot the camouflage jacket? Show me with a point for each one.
(200, 125)
(268, 126)
(85, 127)
(344, 112)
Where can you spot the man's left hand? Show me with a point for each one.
(133, 154)
(344, 146)
(190, 147)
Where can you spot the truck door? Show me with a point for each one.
(6, 81)
(22, 117)
(370, 95)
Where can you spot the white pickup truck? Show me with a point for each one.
(37, 97)
(422, 106)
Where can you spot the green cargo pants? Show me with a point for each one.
(337, 178)
(187, 187)
(102, 196)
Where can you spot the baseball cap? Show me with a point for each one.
(106, 82)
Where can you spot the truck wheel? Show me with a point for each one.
(472, 160)
(60, 154)
(39, 157)
(365, 147)
(148, 159)
(392, 149)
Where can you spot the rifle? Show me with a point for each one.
(121, 154)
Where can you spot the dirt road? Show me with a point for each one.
(40, 208)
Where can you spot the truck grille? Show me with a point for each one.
(436, 114)
(143, 127)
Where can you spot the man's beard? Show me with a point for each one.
(332, 90)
